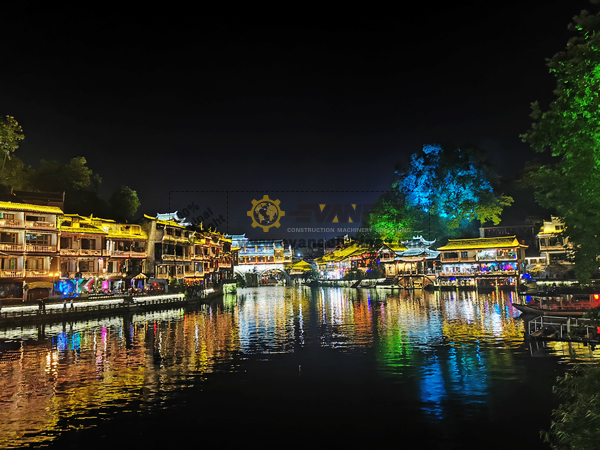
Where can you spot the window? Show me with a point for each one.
(88, 244)
(37, 239)
(9, 264)
(34, 263)
(65, 242)
(464, 254)
(7, 216)
(8, 238)
(35, 218)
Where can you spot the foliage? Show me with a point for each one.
(125, 203)
(312, 274)
(575, 423)
(569, 132)
(453, 183)
(240, 281)
(375, 272)
(390, 219)
(439, 194)
(10, 135)
(593, 315)
(17, 175)
(354, 274)
(58, 177)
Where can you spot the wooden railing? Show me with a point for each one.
(11, 273)
(479, 274)
(38, 273)
(40, 248)
(11, 247)
(126, 254)
(89, 252)
(36, 224)
(11, 223)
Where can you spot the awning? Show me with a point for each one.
(39, 284)
(140, 276)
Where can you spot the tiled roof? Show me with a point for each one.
(81, 230)
(30, 208)
(353, 249)
(481, 243)
(394, 246)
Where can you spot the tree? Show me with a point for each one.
(575, 422)
(57, 177)
(10, 135)
(570, 133)
(79, 183)
(453, 184)
(17, 175)
(125, 203)
(390, 220)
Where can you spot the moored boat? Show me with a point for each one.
(566, 306)
(566, 312)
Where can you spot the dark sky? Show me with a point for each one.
(170, 100)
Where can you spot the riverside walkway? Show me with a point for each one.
(66, 309)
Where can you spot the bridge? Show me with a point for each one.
(246, 271)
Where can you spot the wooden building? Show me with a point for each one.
(481, 263)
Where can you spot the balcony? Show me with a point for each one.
(488, 273)
(37, 273)
(168, 257)
(89, 252)
(127, 254)
(87, 275)
(40, 248)
(11, 247)
(68, 252)
(189, 273)
(506, 257)
(11, 274)
(40, 225)
(11, 223)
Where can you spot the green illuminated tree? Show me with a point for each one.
(390, 220)
(570, 131)
(10, 135)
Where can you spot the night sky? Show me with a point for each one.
(184, 100)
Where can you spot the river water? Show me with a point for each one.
(286, 366)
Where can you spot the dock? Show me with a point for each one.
(71, 309)
(567, 329)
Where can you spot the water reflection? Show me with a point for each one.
(81, 371)
(444, 348)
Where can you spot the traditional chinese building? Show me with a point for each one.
(482, 262)
(353, 255)
(411, 263)
(28, 249)
(176, 250)
(105, 253)
(553, 244)
(170, 246)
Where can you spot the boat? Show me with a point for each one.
(564, 306)
(565, 312)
